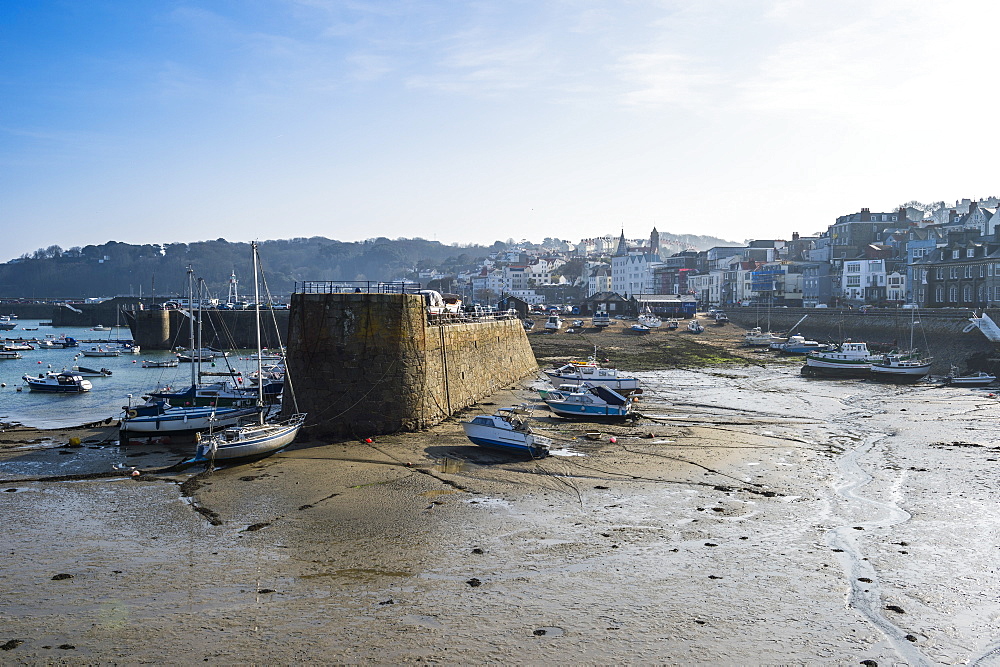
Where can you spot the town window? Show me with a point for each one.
(967, 294)
(953, 272)
(968, 272)
(954, 254)
(953, 294)
(971, 252)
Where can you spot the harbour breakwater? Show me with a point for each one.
(372, 364)
(939, 332)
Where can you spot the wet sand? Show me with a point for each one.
(752, 517)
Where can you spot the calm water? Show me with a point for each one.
(42, 410)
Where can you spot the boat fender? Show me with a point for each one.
(131, 413)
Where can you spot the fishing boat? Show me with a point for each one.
(253, 440)
(694, 326)
(601, 319)
(507, 430)
(587, 401)
(977, 379)
(64, 382)
(578, 373)
(673, 324)
(846, 360)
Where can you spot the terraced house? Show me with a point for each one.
(963, 274)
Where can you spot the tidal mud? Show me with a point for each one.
(752, 516)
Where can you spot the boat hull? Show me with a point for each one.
(261, 441)
(904, 374)
(832, 369)
(594, 412)
(516, 442)
(178, 421)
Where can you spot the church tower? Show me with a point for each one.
(622, 246)
(654, 242)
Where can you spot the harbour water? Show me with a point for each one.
(752, 517)
(109, 394)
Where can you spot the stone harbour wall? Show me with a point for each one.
(371, 364)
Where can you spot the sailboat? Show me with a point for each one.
(906, 366)
(158, 416)
(265, 436)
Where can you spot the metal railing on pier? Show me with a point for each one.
(355, 286)
(466, 317)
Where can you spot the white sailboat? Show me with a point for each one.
(264, 437)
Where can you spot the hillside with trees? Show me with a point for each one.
(116, 268)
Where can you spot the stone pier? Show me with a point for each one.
(369, 364)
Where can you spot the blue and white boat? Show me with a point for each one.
(577, 373)
(65, 382)
(160, 418)
(507, 430)
(588, 401)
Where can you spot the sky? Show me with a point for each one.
(166, 121)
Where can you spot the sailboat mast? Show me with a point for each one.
(256, 309)
(190, 309)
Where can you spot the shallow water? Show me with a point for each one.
(109, 394)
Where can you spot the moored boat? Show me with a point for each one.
(601, 319)
(553, 324)
(848, 359)
(64, 382)
(799, 345)
(160, 363)
(578, 373)
(587, 401)
(506, 430)
(83, 371)
(637, 328)
(977, 379)
(757, 338)
(694, 326)
(101, 351)
(649, 320)
(901, 367)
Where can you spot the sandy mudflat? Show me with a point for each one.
(754, 517)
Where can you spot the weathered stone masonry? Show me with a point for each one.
(369, 364)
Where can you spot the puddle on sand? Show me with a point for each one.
(449, 465)
(434, 493)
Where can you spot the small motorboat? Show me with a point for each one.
(507, 429)
(587, 401)
(721, 317)
(101, 351)
(601, 319)
(164, 363)
(577, 373)
(10, 354)
(90, 372)
(908, 366)
(640, 329)
(65, 382)
(528, 324)
(553, 324)
(694, 326)
(978, 379)
(672, 324)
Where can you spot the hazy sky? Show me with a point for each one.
(160, 121)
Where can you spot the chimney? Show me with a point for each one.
(866, 215)
(795, 236)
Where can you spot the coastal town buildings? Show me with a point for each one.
(945, 257)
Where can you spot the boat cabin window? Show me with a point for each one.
(485, 421)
